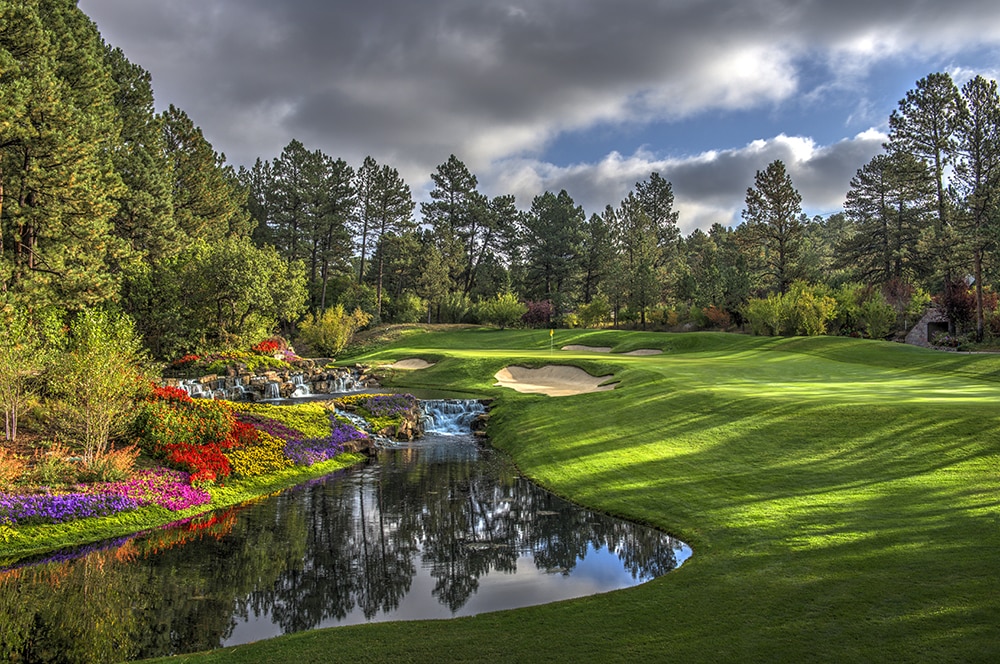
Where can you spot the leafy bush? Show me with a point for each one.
(97, 380)
(206, 463)
(190, 435)
(717, 318)
(112, 466)
(504, 310)
(596, 313)
(876, 316)
(765, 315)
(332, 331)
(808, 309)
(538, 313)
(12, 467)
(406, 308)
(163, 422)
(454, 308)
(52, 467)
(804, 310)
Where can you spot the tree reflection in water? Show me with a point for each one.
(439, 528)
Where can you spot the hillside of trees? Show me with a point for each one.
(106, 203)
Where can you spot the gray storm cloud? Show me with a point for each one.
(496, 82)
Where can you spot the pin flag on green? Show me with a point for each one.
(551, 333)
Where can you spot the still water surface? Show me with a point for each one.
(438, 528)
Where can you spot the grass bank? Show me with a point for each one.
(26, 541)
(841, 498)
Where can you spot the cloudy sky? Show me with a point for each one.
(535, 95)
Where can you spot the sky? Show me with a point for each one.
(590, 96)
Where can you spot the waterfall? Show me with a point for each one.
(195, 389)
(451, 417)
(237, 392)
(361, 424)
(272, 391)
(302, 388)
(345, 383)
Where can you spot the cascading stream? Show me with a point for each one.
(450, 417)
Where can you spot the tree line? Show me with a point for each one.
(106, 203)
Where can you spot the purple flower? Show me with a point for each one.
(270, 426)
(167, 488)
(57, 508)
(387, 405)
(313, 450)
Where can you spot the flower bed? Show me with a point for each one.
(164, 487)
(382, 410)
(34, 509)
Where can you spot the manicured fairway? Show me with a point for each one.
(842, 498)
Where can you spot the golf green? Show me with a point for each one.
(842, 498)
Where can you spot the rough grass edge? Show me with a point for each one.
(36, 540)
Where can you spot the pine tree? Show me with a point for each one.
(773, 206)
(924, 126)
(145, 217)
(452, 215)
(209, 202)
(57, 183)
(977, 179)
(553, 234)
(889, 205)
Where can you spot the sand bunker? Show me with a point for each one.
(553, 380)
(644, 351)
(412, 363)
(592, 349)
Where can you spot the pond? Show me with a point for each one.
(437, 528)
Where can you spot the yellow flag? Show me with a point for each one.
(551, 332)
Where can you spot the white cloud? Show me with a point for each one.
(709, 187)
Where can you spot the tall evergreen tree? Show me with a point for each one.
(888, 205)
(366, 188)
(552, 235)
(258, 183)
(773, 206)
(57, 184)
(640, 254)
(209, 202)
(330, 235)
(923, 126)
(977, 179)
(392, 214)
(145, 210)
(655, 197)
(295, 183)
(597, 252)
(454, 214)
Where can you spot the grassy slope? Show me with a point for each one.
(841, 498)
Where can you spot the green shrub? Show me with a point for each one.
(876, 316)
(594, 314)
(332, 331)
(504, 310)
(807, 309)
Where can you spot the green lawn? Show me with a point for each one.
(841, 498)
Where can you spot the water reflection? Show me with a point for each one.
(437, 529)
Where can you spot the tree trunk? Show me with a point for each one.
(978, 274)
